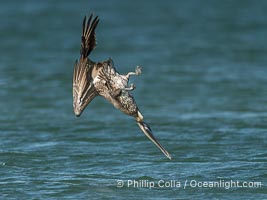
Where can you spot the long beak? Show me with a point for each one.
(148, 132)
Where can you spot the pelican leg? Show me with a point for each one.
(138, 71)
(130, 88)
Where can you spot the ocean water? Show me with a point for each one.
(202, 90)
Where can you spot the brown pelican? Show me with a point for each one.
(91, 79)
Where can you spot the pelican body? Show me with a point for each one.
(91, 79)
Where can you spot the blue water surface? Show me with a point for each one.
(202, 90)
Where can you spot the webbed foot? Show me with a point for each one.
(138, 70)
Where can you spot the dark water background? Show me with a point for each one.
(203, 91)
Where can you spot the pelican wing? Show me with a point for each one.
(88, 39)
(83, 88)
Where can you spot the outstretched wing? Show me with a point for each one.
(83, 88)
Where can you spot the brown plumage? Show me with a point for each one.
(92, 79)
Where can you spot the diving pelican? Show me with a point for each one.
(91, 79)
